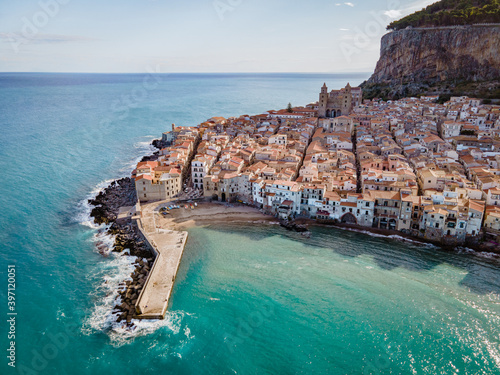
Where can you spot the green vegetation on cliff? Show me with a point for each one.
(452, 13)
(487, 90)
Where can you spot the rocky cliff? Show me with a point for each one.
(453, 60)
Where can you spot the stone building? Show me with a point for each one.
(338, 102)
(158, 186)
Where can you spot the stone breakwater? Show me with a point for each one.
(130, 290)
(106, 206)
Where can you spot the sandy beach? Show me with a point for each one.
(204, 214)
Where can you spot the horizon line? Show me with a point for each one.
(26, 72)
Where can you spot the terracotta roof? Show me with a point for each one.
(144, 177)
(349, 204)
(476, 206)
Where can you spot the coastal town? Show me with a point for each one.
(415, 166)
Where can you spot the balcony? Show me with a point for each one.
(323, 213)
(388, 216)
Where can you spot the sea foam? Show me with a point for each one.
(103, 317)
(481, 254)
(113, 273)
(390, 236)
(141, 149)
(83, 208)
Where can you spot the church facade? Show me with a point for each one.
(338, 103)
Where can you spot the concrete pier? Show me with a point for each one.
(168, 245)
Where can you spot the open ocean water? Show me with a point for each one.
(248, 300)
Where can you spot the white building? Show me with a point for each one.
(200, 167)
(450, 129)
(278, 139)
(280, 191)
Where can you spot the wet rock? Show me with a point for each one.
(290, 225)
(106, 204)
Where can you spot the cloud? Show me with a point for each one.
(418, 5)
(349, 4)
(393, 13)
(411, 8)
(45, 38)
(344, 29)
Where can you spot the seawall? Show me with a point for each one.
(168, 246)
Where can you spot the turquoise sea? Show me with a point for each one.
(248, 300)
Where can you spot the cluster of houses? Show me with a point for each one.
(412, 165)
(163, 178)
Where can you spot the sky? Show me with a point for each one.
(206, 36)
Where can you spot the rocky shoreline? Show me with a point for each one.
(130, 290)
(121, 193)
(474, 245)
(293, 226)
(106, 205)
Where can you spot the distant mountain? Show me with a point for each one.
(452, 13)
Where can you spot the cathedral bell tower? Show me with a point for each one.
(323, 101)
(347, 100)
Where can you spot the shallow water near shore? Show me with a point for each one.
(249, 299)
(338, 302)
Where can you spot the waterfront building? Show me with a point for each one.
(492, 219)
(279, 192)
(158, 184)
(294, 164)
